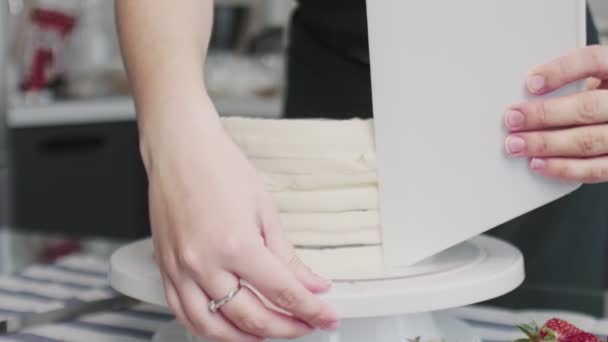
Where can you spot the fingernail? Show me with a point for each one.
(331, 326)
(515, 145)
(326, 282)
(536, 83)
(321, 286)
(514, 119)
(537, 164)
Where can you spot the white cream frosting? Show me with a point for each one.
(322, 175)
(330, 200)
(332, 229)
(282, 182)
(303, 138)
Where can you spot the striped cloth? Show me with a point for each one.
(83, 278)
(73, 279)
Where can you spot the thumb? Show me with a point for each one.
(278, 244)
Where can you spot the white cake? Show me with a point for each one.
(322, 175)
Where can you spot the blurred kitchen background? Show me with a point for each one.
(70, 173)
(69, 163)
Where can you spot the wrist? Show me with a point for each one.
(179, 130)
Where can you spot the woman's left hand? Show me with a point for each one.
(565, 137)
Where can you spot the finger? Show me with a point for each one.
(591, 61)
(175, 305)
(278, 244)
(167, 265)
(247, 312)
(281, 248)
(207, 324)
(586, 141)
(594, 83)
(310, 280)
(590, 171)
(589, 107)
(277, 284)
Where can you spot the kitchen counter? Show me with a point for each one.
(122, 109)
(83, 277)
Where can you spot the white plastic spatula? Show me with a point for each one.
(443, 73)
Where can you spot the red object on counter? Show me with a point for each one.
(51, 27)
(38, 77)
(51, 19)
(55, 251)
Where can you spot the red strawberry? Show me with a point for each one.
(582, 337)
(556, 330)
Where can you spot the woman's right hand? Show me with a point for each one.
(213, 224)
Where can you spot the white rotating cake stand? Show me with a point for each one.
(395, 309)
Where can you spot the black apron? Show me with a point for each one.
(564, 242)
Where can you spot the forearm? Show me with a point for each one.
(164, 47)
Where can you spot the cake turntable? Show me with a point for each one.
(381, 309)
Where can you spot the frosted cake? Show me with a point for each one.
(322, 175)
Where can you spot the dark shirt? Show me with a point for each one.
(328, 71)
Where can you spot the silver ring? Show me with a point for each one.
(216, 304)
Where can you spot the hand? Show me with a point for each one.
(567, 137)
(214, 224)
